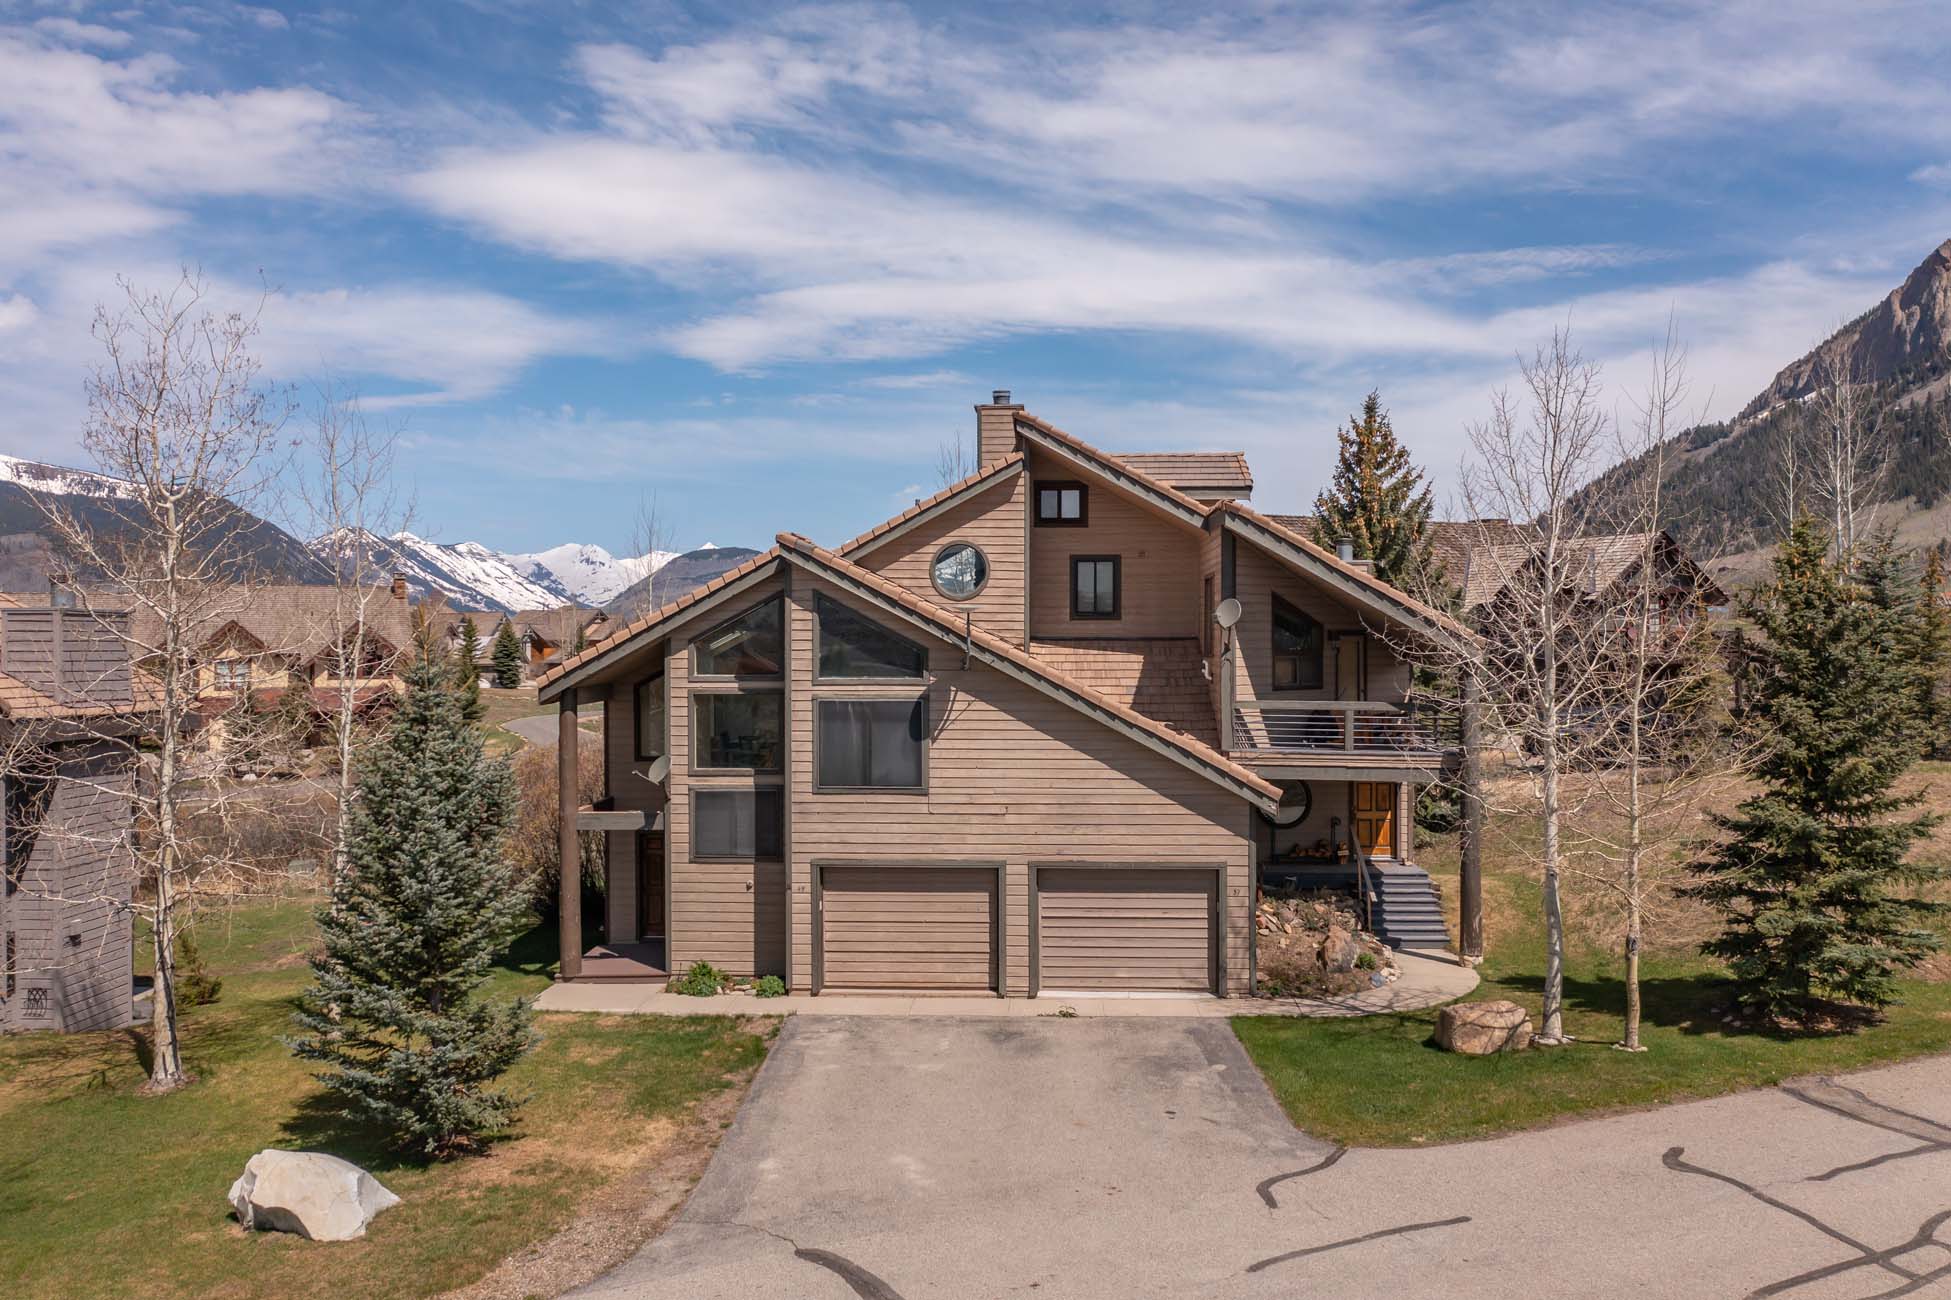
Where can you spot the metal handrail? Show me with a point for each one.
(1362, 893)
(1350, 726)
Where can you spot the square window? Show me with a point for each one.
(741, 731)
(871, 744)
(1094, 586)
(1061, 505)
(740, 824)
(1298, 646)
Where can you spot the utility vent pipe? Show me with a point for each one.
(1345, 549)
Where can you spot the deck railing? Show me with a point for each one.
(1335, 726)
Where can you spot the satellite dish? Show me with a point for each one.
(659, 769)
(1228, 612)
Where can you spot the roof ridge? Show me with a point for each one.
(1157, 485)
(1192, 745)
(987, 472)
(1361, 576)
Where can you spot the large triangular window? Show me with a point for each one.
(855, 648)
(751, 645)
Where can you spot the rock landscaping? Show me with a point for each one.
(1483, 1028)
(1310, 946)
(319, 1197)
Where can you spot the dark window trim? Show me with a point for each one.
(821, 598)
(1320, 651)
(988, 570)
(754, 790)
(691, 744)
(1117, 586)
(927, 741)
(1083, 503)
(785, 638)
(637, 716)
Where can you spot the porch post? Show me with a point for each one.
(1470, 870)
(568, 786)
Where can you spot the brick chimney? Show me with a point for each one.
(399, 586)
(996, 428)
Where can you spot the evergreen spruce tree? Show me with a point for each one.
(1934, 658)
(1805, 876)
(1378, 499)
(467, 671)
(411, 931)
(508, 657)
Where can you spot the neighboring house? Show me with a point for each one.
(547, 635)
(1481, 559)
(272, 639)
(70, 713)
(999, 742)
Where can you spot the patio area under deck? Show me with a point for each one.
(642, 962)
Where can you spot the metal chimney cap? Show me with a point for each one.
(999, 397)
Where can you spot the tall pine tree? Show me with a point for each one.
(508, 657)
(412, 929)
(467, 671)
(1377, 498)
(1807, 874)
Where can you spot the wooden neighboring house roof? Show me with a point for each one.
(1598, 564)
(300, 623)
(1196, 473)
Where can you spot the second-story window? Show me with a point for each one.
(1062, 505)
(1094, 586)
(650, 717)
(752, 644)
(738, 730)
(1298, 645)
(232, 674)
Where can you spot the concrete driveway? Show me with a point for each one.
(900, 1159)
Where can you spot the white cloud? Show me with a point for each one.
(79, 33)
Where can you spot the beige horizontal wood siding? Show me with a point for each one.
(731, 914)
(1014, 777)
(930, 929)
(992, 521)
(1159, 565)
(1103, 928)
(1258, 579)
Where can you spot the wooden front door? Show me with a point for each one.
(1375, 817)
(650, 884)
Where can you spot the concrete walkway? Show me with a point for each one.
(1428, 979)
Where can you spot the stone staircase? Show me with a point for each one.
(1408, 910)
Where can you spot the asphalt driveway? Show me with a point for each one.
(896, 1159)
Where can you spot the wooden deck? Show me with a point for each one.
(625, 963)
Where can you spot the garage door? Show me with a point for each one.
(926, 929)
(1111, 930)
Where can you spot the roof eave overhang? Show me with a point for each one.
(630, 645)
(974, 488)
(1107, 468)
(1010, 668)
(1374, 598)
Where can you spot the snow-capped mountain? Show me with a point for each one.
(588, 573)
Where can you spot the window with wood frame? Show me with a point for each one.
(231, 674)
(650, 717)
(870, 744)
(740, 731)
(1062, 504)
(1094, 583)
(1299, 649)
(751, 644)
(738, 825)
(853, 647)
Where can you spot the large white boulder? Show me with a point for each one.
(319, 1197)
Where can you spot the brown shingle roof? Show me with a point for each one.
(1223, 472)
(1113, 465)
(297, 621)
(1161, 677)
(953, 628)
(977, 481)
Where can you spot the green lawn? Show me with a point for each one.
(105, 1193)
(1380, 1081)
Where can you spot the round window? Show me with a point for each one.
(959, 570)
(1295, 801)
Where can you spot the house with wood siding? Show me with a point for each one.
(71, 711)
(1049, 731)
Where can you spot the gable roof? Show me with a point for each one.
(299, 621)
(1160, 494)
(921, 511)
(1016, 662)
(1352, 581)
(1599, 563)
(1213, 473)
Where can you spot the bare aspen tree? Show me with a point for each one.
(954, 461)
(1531, 645)
(178, 418)
(1662, 754)
(344, 487)
(1846, 439)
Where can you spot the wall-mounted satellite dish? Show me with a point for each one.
(659, 769)
(1228, 612)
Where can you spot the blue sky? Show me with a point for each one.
(759, 262)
